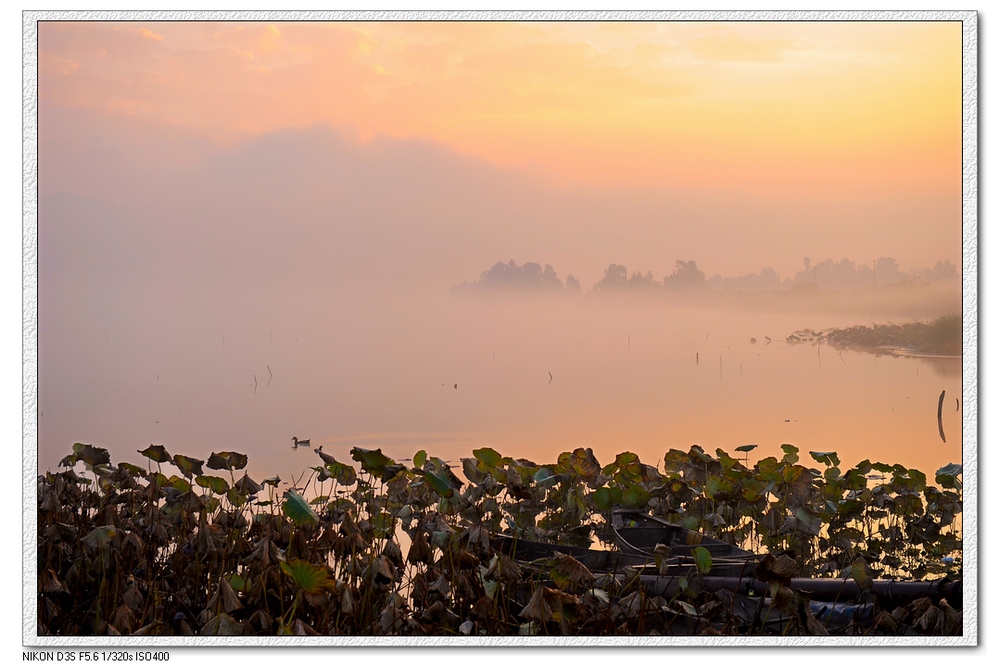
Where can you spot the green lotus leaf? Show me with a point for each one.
(472, 472)
(345, 474)
(859, 573)
(603, 499)
(746, 448)
(178, 483)
(488, 457)
(237, 582)
(545, 477)
(188, 465)
(236, 498)
(674, 460)
(390, 471)
(698, 455)
(310, 578)
(948, 476)
(372, 462)
(583, 463)
(155, 453)
(634, 495)
(444, 485)
(298, 510)
(702, 559)
(131, 469)
(384, 524)
(827, 458)
(216, 484)
(953, 469)
(419, 459)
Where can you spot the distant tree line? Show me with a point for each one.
(529, 277)
(686, 276)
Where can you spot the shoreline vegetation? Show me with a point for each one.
(183, 546)
(941, 338)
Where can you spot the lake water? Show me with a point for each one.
(643, 376)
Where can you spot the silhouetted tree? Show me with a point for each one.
(615, 277)
(531, 276)
(686, 275)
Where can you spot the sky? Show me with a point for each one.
(575, 144)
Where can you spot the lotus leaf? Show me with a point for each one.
(791, 453)
(566, 571)
(948, 476)
(91, 455)
(372, 462)
(828, 458)
(179, 483)
(156, 453)
(419, 459)
(488, 457)
(298, 510)
(308, 577)
(188, 465)
(604, 498)
(859, 573)
(100, 537)
(634, 495)
(216, 484)
(702, 559)
(227, 461)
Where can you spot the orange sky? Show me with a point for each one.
(764, 107)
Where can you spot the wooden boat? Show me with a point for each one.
(637, 533)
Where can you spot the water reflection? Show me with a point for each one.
(530, 379)
(943, 367)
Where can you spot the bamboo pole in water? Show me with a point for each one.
(940, 423)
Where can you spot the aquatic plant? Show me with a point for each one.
(388, 548)
(942, 336)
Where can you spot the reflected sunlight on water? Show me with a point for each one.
(449, 376)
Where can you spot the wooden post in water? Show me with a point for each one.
(940, 423)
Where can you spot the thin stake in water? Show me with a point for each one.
(940, 423)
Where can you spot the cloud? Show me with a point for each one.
(732, 47)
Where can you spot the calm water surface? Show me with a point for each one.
(363, 372)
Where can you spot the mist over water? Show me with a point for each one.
(298, 284)
(417, 369)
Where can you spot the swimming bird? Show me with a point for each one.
(296, 443)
